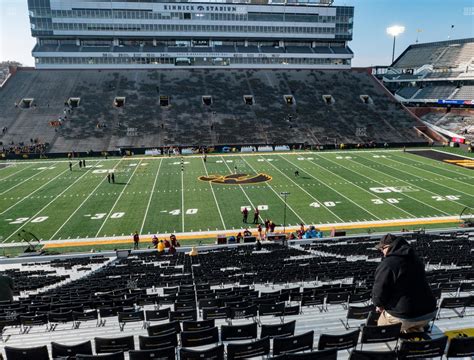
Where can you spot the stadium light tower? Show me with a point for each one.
(394, 31)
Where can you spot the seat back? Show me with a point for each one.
(33, 353)
(111, 345)
(250, 349)
(157, 315)
(115, 356)
(292, 344)
(183, 315)
(329, 354)
(161, 354)
(172, 327)
(461, 347)
(157, 342)
(376, 334)
(215, 313)
(133, 316)
(200, 338)
(54, 317)
(422, 349)
(273, 330)
(198, 325)
(272, 309)
(59, 350)
(359, 312)
(239, 332)
(243, 313)
(215, 353)
(340, 342)
(373, 355)
(292, 310)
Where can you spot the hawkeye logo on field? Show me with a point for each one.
(464, 163)
(236, 179)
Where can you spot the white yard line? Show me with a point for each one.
(277, 194)
(419, 177)
(118, 198)
(446, 152)
(151, 195)
(314, 198)
(182, 198)
(241, 188)
(14, 186)
(80, 206)
(332, 189)
(46, 206)
(27, 196)
(16, 172)
(432, 172)
(406, 182)
(214, 195)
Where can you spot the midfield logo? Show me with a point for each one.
(236, 179)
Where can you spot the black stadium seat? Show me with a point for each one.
(60, 350)
(344, 341)
(247, 350)
(422, 349)
(157, 342)
(198, 325)
(273, 330)
(460, 347)
(239, 332)
(161, 354)
(111, 345)
(200, 338)
(214, 353)
(34, 353)
(329, 354)
(373, 355)
(292, 344)
(172, 327)
(114, 356)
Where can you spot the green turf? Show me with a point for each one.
(152, 195)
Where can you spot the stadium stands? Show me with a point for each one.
(183, 119)
(442, 54)
(247, 286)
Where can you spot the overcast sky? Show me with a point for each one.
(371, 44)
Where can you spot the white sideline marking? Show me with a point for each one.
(27, 196)
(213, 194)
(314, 198)
(215, 232)
(151, 195)
(44, 207)
(117, 200)
(83, 202)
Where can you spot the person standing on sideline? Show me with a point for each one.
(401, 292)
(256, 213)
(245, 214)
(80, 164)
(108, 177)
(84, 163)
(6, 288)
(70, 166)
(112, 176)
(136, 240)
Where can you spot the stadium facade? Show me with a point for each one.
(159, 34)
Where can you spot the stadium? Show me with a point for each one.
(215, 180)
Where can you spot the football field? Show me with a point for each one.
(153, 195)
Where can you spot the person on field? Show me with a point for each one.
(80, 164)
(245, 215)
(70, 166)
(256, 214)
(136, 240)
(401, 292)
(108, 177)
(112, 176)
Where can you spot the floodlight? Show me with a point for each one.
(395, 30)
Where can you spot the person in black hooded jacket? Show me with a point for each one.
(401, 292)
